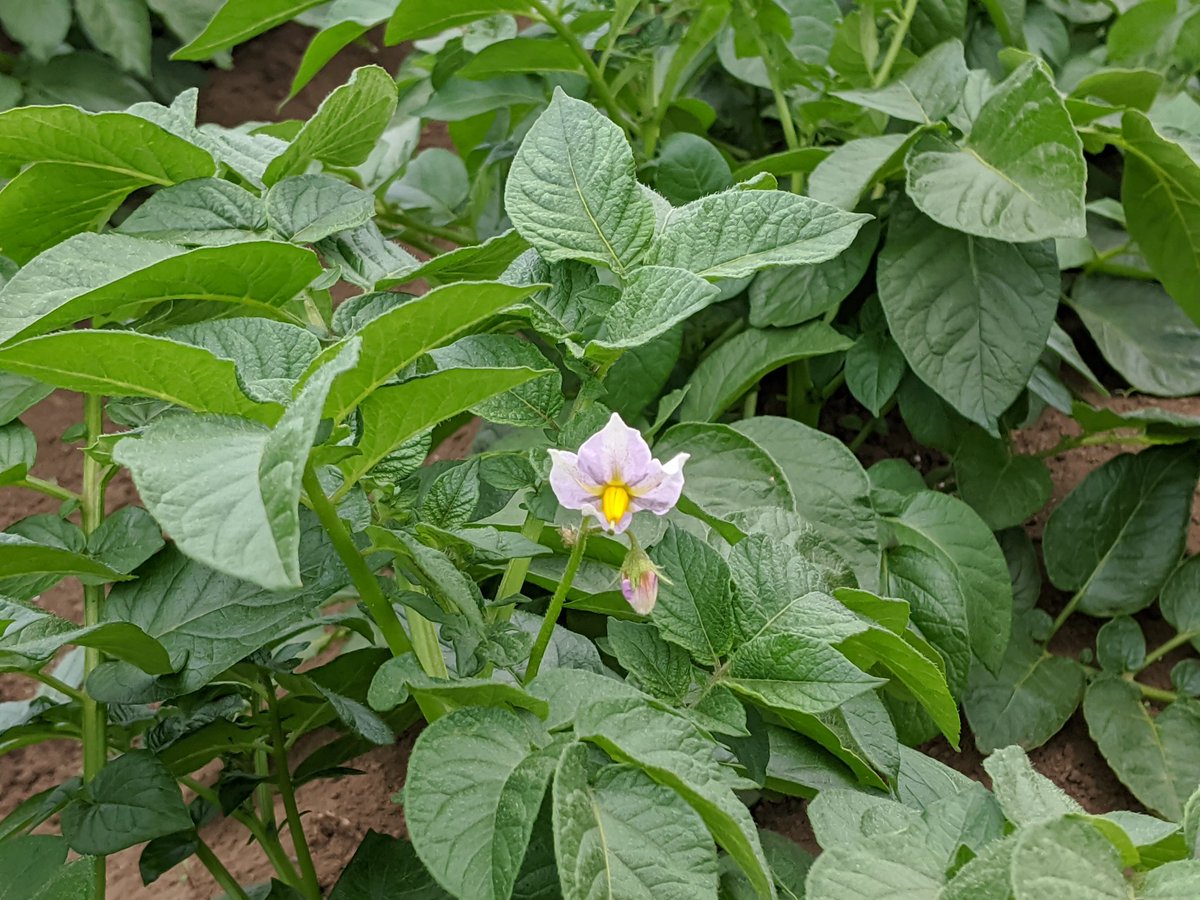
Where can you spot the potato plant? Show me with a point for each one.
(674, 241)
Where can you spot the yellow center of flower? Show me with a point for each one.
(614, 502)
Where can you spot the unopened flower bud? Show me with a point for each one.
(639, 581)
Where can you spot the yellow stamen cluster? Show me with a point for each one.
(614, 502)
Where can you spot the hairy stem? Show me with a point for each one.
(556, 605)
(49, 488)
(94, 715)
(360, 573)
(219, 873)
(310, 885)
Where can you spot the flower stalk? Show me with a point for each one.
(556, 605)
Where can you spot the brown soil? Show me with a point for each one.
(338, 813)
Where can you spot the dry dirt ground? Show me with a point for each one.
(337, 814)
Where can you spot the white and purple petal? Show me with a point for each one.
(571, 485)
(659, 492)
(616, 454)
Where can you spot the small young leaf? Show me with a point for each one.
(306, 208)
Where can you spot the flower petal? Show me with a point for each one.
(597, 513)
(616, 454)
(571, 486)
(660, 491)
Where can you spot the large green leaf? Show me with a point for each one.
(972, 315)
(572, 192)
(475, 783)
(1066, 858)
(84, 166)
(694, 609)
(35, 867)
(128, 364)
(200, 211)
(1142, 333)
(654, 299)
(533, 404)
(228, 490)
(1120, 533)
(132, 800)
(926, 92)
(828, 485)
(1152, 755)
(344, 129)
(618, 833)
(398, 337)
(741, 362)
(929, 584)
(386, 868)
(270, 356)
(209, 620)
(948, 529)
(1160, 192)
(237, 22)
(794, 672)
(735, 233)
(119, 28)
(675, 753)
(661, 668)
(1020, 174)
(846, 173)
(1005, 488)
(418, 19)
(92, 274)
(22, 556)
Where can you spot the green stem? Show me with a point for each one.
(1166, 647)
(893, 50)
(1156, 694)
(364, 579)
(556, 605)
(516, 571)
(615, 27)
(310, 885)
(284, 867)
(800, 403)
(451, 235)
(94, 715)
(865, 432)
(220, 874)
(1104, 439)
(1067, 610)
(426, 645)
(594, 75)
(49, 488)
(61, 686)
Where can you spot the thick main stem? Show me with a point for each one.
(556, 606)
(94, 715)
(218, 871)
(360, 573)
(311, 885)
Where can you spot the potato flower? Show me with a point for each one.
(613, 476)
(639, 581)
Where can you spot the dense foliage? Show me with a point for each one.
(730, 223)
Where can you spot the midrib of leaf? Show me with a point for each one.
(973, 266)
(618, 267)
(608, 876)
(987, 165)
(1169, 782)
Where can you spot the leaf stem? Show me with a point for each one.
(865, 432)
(594, 75)
(1166, 647)
(309, 883)
(426, 645)
(364, 579)
(893, 50)
(556, 605)
(1103, 439)
(219, 873)
(61, 686)
(1156, 694)
(1067, 610)
(94, 715)
(517, 569)
(49, 488)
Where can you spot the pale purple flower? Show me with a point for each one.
(642, 592)
(613, 476)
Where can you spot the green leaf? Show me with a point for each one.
(875, 366)
(400, 336)
(572, 192)
(791, 295)
(475, 783)
(128, 364)
(521, 55)
(534, 404)
(417, 19)
(1029, 698)
(35, 867)
(676, 754)
(132, 800)
(1142, 333)
(1027, 797)
(828, 485)
(206, 211)
(306, 208)
(1066, 856)
(1160, 191)
(227, 490)
(1120, 646)
(237, 22)
(1020, 174)
(210, 620)
(1005, 488)
(41, 30)
(735, 233)
(658, 667)
(793, 672)
(386, 868)
(846, 173)
(1119, 534)
(477, 262)
(1149, 753)
(451, 499)
(21, 556)
(270, 356)
(926, 93)
(727, 471)
(346, 23)
(84, 165)
(18, 394)
(344, 129)
(949, 530)
(1174, 881)
(367, 259)
(34, 636)
(745, 359)
(654, 299)
(392, 415)
(689, 167)
(397, 678)
(18, 450)
(880, 867)
(694, 608)
(972, 315)
(119, 28)
(601, 824)
(1175, 600)
(91, 274)
(125, 539)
